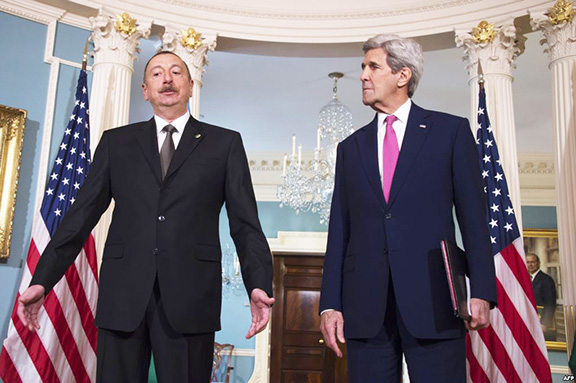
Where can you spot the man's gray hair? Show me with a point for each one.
(400, 53)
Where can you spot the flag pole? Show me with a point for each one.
(480, 76)
(85, 55)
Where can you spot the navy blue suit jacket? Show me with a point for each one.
(545, 295)
(371, 241)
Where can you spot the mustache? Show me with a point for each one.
(169, 88)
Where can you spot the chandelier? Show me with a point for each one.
(231, 277)
(309, 186)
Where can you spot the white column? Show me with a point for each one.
(561, 40)
(193, 49)
(115, 45)
(496, 56)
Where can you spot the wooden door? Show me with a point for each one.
(298, 353)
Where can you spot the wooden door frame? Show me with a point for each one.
(286, 242)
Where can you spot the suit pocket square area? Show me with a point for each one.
(113, 251)
(207, 253)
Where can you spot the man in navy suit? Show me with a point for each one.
(544, 293)
(160, 279)
(398, 181)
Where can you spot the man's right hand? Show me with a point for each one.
(29, 304)
(332, 327)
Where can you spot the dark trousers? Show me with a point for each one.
(124, 357)
(379, 359)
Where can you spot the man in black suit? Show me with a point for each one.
(544, 293)
(160, 278)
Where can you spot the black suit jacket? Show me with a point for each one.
(165, 229)
(545, 295)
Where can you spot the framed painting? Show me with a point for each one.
(12, 122)
(542, 245)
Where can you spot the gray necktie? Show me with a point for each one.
(167, 150)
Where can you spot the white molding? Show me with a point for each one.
(562, 370)
(299, 242)
(241, 352)
(32, 10)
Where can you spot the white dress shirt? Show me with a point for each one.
(179, 124)
(399, 127)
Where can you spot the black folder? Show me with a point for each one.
(456, 270)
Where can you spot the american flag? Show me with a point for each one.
(63, 350)
(512, 349)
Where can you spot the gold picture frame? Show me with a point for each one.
(544, 243)
(12, 122)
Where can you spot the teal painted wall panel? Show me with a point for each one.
(70, 42)
(539, 217)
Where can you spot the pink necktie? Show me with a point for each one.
(390, 153)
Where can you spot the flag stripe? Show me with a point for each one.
(82, 308)
(10, 373)
(477, 374)
(54, 311)
(516, 262)
(500, 355)
(40, 357)
(522, 335)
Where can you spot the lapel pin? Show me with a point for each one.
(422, 126)
(198, 136)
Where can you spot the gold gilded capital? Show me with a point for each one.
(483, 33)
(191, 39)
(125, 24)
(561, 13)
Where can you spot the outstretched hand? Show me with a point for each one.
(260, 304)
(29, 304)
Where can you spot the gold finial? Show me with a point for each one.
(85, 55)
(483, 33)
(191, 39)
(480, 75)
(125, 24)
(561, 13)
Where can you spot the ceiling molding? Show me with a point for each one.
(321, 21)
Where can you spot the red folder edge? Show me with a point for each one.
(449, 276)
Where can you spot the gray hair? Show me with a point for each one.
(400, 53)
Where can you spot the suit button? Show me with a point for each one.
(155, 251)
(161, 218)
(386, 250)
(388, 216)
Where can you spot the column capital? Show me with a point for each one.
(116, 39)
(192, 47)
(559, 31)
(495, 48)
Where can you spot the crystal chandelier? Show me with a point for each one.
(231, 277)
(309, 186)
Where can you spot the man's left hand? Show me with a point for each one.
(480, 312)
(260, 304)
